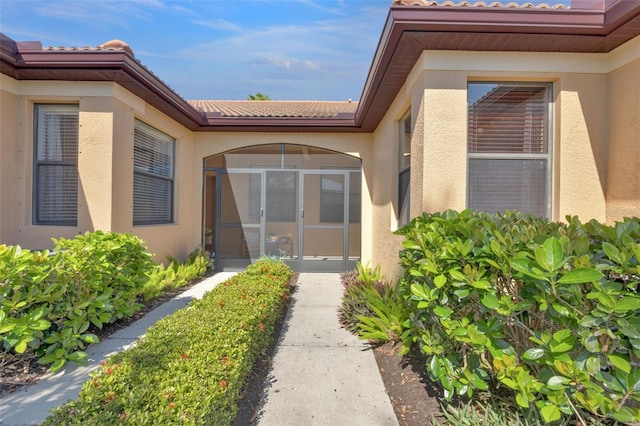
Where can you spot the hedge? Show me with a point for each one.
(190, 367)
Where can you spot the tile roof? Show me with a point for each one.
(276, 109)
(109, 45)
(478, 4)
(229, 108)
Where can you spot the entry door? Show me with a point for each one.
(324, 221)
(281, 218)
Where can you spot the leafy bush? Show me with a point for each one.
(24, 277)
(354, 302)
(190, 367)
(548, 311)
(177, 274)
(498, 413)
(50, 301)
(371, 307)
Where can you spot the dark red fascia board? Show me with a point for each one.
(344, 122)
(120, 67)
(447, 19)
(103, 65)
(133, 76)
(251, 124)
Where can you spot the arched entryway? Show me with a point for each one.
(294, 202)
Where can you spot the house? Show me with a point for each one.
(489, 106)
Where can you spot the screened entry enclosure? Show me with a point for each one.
(296, 203)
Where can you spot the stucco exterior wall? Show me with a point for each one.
(179, 238)
(595, 149)
(445, 141)
(582, 173)
(8, 164)
(623, 183)
(580, 150)
(105, 166)
(579, 124)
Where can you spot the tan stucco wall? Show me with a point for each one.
(585, 87)
(579, 120)
(8, 164)
(105, 166)
(596, 158)
(623, 183)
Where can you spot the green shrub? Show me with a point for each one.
(177, 274)
(354, 302)
(24, 288)
(190, 367)
(371, 307)
(548, 311)
(50, 301)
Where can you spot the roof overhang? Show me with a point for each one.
(408, 31)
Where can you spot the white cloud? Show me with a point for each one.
(219, 24)
(289, 64)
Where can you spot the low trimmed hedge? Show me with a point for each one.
(190, 367)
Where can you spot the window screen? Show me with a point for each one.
(153, 161)
(509, 148)
(332, 199)
(56, 165)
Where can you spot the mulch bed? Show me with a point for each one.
(416, 399)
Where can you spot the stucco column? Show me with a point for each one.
(8, 166)
(95, 161)
(580, 151)
(623, 183)
(444, 141)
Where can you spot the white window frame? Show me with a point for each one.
(147, 209)
(548, 156)
(61, 192)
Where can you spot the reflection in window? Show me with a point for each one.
(508, 147)
(153, 162)
(404, 169)
(56, 165)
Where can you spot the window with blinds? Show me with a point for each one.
(55, 188)
(153, 163)
(509, 155)
(404, 168)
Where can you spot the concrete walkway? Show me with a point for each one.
(321, 374)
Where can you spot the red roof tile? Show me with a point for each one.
(496, 4)
(277, 109)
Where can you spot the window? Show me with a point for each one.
(509, 155)
(404, 168)
(153, 163)
(56, 165)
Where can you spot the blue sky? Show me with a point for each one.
(221, 49)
